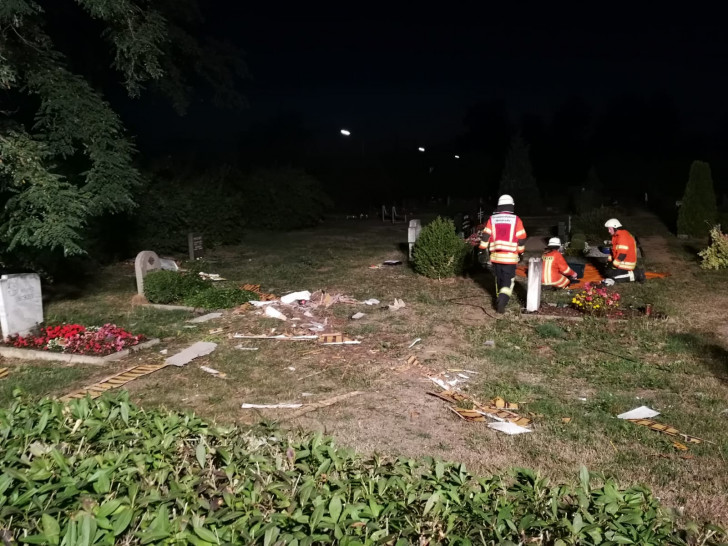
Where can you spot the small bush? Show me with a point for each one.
(576, 245)
(716, 255)
(167, 287)
(439, 252)
(699, 210)
(219, 298)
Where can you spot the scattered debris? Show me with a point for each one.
(679, 446)
(189, 326)
(324, 403)
(201, 348)
(499, 403)
(215, 331)
(255, 288)
(392, 262)
(357, 316)
(241, 348)
(666, 429)
(163, 351)
(280, 337)
(398, 304)
(415, 342)
(375, 267)
(271, 406)
(211, 276)
(114, 381)
(305, 394)
(489, 343)
(274, 313)
(296, 296)
(371, 301)
(478, 412)
(168, 264)
(213, 371)
(255, 303)
(3, 373)
(643, 412)
(566, 420)
(205, 318)
(509, 428)
(292, 368)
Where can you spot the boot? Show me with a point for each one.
(639, 275)
(501, 304)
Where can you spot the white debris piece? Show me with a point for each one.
(270, 406)
(643, 412)
(256, 303)
(201, 348)
(241, 348)
(357, 316)
(296, 296)
(205, 318)
(211, 276)
(168, 264)
(274, 313)
(212, 371)
(398, 304)
(509, 428)
(349, 342)
(279, 337)
(163, 351)
(292, 368)
(371, 301)
(415, 342)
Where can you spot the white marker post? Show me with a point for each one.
(533, 298)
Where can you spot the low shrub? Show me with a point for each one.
(439, 252)
(219, 298)
(715, 256)
(104, 472)
(168, 287)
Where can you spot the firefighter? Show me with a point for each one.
(556, 272)
(623, 258)
(505, 238)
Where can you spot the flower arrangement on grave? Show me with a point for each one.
(78, 339)
(596, 300)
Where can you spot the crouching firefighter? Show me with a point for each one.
(623, 258)
(505, 239)
(556, 272)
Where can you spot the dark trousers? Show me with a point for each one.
(505, 277)
(623, 275)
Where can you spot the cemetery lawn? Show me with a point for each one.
(554, 370)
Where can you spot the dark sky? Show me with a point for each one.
(384, 71)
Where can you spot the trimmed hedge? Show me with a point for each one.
(439, 252)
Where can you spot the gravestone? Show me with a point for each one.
(145, 262)
(196, 248)
(21, 304)
(533, 297)
(413, 232)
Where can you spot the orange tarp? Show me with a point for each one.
(591, 274)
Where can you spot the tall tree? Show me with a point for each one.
(698, 212)
(65, 157)
(517, 179)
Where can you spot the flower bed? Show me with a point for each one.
(596, 300)
(77, 339)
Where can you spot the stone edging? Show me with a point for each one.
(31, 354)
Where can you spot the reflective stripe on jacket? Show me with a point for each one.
(555, 269)
(624, 250)
(507, 238)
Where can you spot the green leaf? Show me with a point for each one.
(206, 535)
(108, 508)
(270, 536)
(124, 407)
(43, 421)
(316, 517)
(439, 470)
(335, 508)
(578, 524)
(34, 539)
(51, 529)
(431, 502)
(88, 530)
(584, 478)
(201, 453)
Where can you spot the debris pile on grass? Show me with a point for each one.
(104, 472)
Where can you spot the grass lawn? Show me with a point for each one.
(588, 371)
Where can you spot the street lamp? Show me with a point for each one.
(457, 157)
(345, 132)
(421, 149)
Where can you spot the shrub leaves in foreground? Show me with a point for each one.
(101, 472)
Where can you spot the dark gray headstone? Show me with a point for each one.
(196, 248)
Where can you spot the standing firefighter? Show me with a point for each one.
(623, 258)
(505, 239)
(556, 272)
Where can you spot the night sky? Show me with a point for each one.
(413, 73)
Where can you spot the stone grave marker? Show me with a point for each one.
(145, 262)
(413, 232)
(21, 303)
(196, 248)
(533, 297)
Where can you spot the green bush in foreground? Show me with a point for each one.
(439, 252)
(105, 472)
(715, 256)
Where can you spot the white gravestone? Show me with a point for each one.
(145, 262)
(21, 304)
(413, 233)
(533, 298)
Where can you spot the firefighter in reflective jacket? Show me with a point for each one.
(556, 272)
(623, 258)
(505, 239)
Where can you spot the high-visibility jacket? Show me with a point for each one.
(506, 238)
(624, 250)
(555, 269)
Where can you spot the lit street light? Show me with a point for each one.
(421, 149)
(457, 157)
(345, 132)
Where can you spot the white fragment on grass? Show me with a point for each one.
(306, 394)
(371, 301)
(212, 371)
(296, 296)
(349, 342)
(278, 337)
(292, 368)
(201, 348)
(643, 412)
(357, 316)
(509, 428)
(256, 303)
(274, 313)
(163, 351)
(398, 304)
(463, 376)
(415, 342)
(270, 406)
(205, 318)
(241, 348)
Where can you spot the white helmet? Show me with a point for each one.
(555, 242)
(505, 199)
(612, 223)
